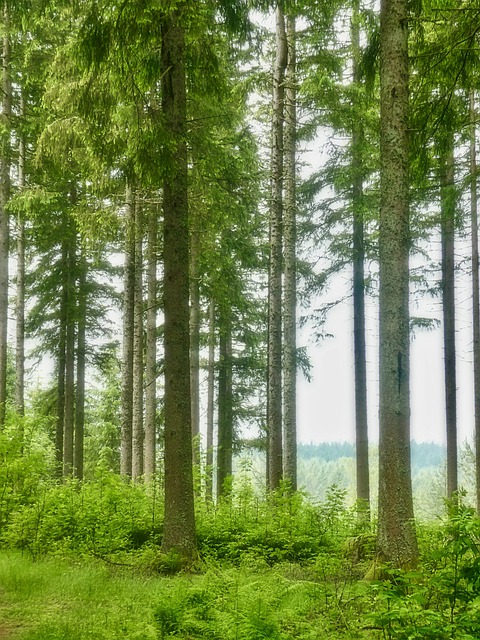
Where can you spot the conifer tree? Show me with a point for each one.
(396, 538)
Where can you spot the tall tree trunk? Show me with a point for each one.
(448, 307)
(137, 421)
(360, 358)
(274, 386)
(128, 336)
(151, 349)
(210, 401)
(4, 197)
(179, 524)
(62, 341)
(69, 418)
(81, 359)
(475, 291)
(20, 302)
(195, 341)
(396, 538)
(225, 408)
(290, 270)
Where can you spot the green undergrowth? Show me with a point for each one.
(54, 599)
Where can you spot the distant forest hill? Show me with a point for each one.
(424, 454)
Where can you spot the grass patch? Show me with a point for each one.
(58, 600)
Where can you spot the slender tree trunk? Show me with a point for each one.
(448, 306)
(4, 218)
(274, 386)
(62, 341)
(151, 349)
(138, 404)
(210, 401)
(360, 359)
(128, 336)
(20, 302)
(396, 538)
(225, 409)
(69, 419)
(179, 524)
(195, 341)
(81, 359)
(475, 291)
(290, 270)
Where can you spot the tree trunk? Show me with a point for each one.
(179, 525)
(137, 416)
(448, 307)
(195, 341)
(210, 402)
(4, 218)
(360, 359)
(396, 539)
(69, 418)
(20, 302)
(128, 336)
(151, 349)
(225, 408)
(290, 271)
(62, 340)
(81, 359)
(475, 292)
(274, 386)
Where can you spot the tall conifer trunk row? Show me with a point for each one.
(81, 364)
(179, 526)
(195, 320)
(69, 415)
(137, 391)
(274, 383)
(290, 270)
(4, 197)
(151, 348)
(475, 292)
(128, 336)
(447, 179)
(210, 401)
(360, 357)
(20, 281)
(396, 539)
(225, 404)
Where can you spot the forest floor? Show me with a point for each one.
(53, 599)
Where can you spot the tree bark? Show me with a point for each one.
(4, 217)
(81, 361)
(210, 402)
(128, 336)
(475, 291)
(195, 341)
(62, 340)
(448, 307)
(396, 538)
(225, 408)
(151, 349)
(360, 359)
(290, 270)
(179, 524)
(69, 418)
(20, 302)
(138, 404)
(274, 385)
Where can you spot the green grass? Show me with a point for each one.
(58, 600)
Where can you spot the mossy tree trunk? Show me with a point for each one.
(396, 539)
(179, 525)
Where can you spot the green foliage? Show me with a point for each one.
(102, 518)
(247, 530)
(441, 598)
